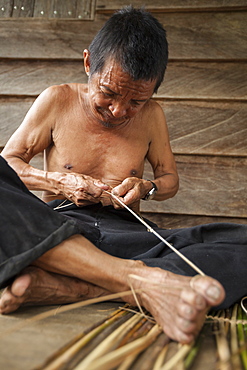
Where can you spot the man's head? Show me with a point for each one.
(136, 40)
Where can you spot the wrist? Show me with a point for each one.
(151, 193)
(55, 181)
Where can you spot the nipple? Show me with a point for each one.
(68, 166)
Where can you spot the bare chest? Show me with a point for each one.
(109, 156)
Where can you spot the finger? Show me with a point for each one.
(116, 202)
(101, 185)
(121, 189)
(130, 197)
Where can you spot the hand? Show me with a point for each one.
(81, 189)
(131, 191)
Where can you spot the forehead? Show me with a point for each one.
(114, 77)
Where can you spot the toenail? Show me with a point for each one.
(200, 301)
(186, 324)
(188, 310)
(213, 292)
(193, 280)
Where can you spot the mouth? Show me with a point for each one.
(108, 120)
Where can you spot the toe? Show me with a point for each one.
(187, 311)
(193, 299)
(210, 288)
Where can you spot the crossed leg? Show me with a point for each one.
(76, 270)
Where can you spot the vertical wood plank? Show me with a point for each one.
(85, 9)
(63, 9)
(41, 8)
(23, 8)
(6, 8)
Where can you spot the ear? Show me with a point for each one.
(86, 58)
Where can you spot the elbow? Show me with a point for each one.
(175, 187)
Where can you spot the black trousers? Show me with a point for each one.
(28, 227)
(218, 249)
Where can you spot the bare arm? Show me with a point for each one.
(161, 158)
(34, 135)
(31, 138)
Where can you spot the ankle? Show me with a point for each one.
(128, 267)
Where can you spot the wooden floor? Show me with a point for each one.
(29, 347)
(26, 345)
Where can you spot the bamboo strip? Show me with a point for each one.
(65, 308)
(236, 362)
(114, 358)
(241, 338)
(161, 358)
(125, 365)
(87, 349)
(79, 336)
(193, 353)
(180, 355)
(222, 345)
(144, 329)
(73, 350)
(108, 343)
(147, 358)
(150, 229)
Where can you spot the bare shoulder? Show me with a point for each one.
(61, 92)
(154, 117)
(153, 110)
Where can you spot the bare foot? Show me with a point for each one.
(38, 287)
(178, 303)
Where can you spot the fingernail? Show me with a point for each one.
(213, 292)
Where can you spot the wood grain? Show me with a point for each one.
(188, 80)
(203, 96)
(183, 80)
(66, 9)
(207, 128)
(209, 186)
(203, 128)
(18, 77)
(174, 5)
(46, 39)
(11, 116)
(222, 37)
(173, 221)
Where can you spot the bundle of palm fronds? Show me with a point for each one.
(129, 340)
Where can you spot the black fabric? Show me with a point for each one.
(218, 249)
(28, 226)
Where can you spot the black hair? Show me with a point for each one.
(135, 39)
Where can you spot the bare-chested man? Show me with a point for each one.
(96, 137)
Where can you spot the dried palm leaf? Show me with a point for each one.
(241, 337)
(236, 362)
(114, 358)
(62, 358)
(220, 331)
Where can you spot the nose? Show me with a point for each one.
(118, 109)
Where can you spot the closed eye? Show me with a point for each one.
(108, 94)
(134, 102)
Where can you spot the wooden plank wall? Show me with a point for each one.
(69, 9)
(204, 93)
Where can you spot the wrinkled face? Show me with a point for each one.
(114, 97)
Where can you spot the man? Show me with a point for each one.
(73, 269)
(96, 138)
